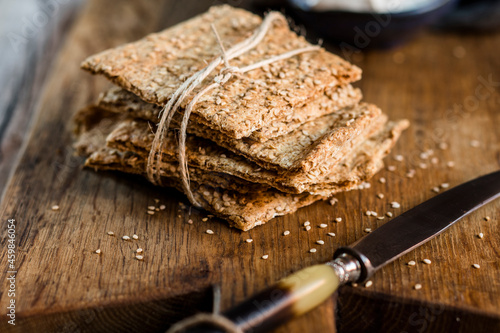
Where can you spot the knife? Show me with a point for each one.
(304, 290)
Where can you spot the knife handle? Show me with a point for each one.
(290, 297)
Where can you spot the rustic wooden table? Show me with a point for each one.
(448, 85)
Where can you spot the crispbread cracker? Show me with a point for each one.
(155, 66)
(122, 101)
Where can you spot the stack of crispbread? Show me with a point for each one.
(264, 144)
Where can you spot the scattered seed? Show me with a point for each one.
(476, 266)
(410, 173)
(98, 251)
(320, 242)
(435, 189)
(151, 212)
(487, 218)
(418, 286)
(111, 233)
(205, 219)
(156, 200)
(391, 168)
(151, 207)
(331, 234)
(380, 195)
(424, 155)
(55, 207)
(139, 250)
(157, 209)
(434, 160)
(139, 257)
(312, 250)
(126, 238)
(399, 158)
(190, 221)
(338, 219)
(368, 230)
(163, 207)
(445, 185)
(380, 218)
(411, 263)
(354, 284)
(422, 166)
(389, 214)
(427, 261)
(480, 235)
(265, 256)
(382, 180)
(308, 227)
(395, 204)
(286, 233)
(134, 236)
(333, 201)
(323, 225)
(210, 232)
(450, 164)
(306, 223)
(249, 240)
(368, 284)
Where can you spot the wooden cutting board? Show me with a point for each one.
(447, 85)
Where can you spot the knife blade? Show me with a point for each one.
(309, 287)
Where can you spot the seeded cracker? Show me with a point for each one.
(155, 66)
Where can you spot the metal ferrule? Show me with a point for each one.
(347, 267)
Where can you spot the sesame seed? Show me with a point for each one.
(139, 250)
(134, 236)
(368, 213)
(475, 143)
(323, 225)
(418, 286)
(391, 168)
(476, 266)
(151, 207)
(410, 173)
(210, 232)
(249, 240)
(382, 180)
(368, 284)
(338, 219)
(395, 204)
(307, 223)
(422, 166)
(427, 261)
(434, 160)
(55, 207)
(286, 233)
(435, 189)
(331, 234)
(308, 227)
(411, 263)
(443, 146)
(368, 230)
(354, 284)
(389, 214)
(190, 221)
(98, 251)
(380, 195)
(157, 209)
(399, 158)
(156, 200)
(139, 257)
(380, 218)
(445, 185)
(151, 212)
(450, 164)
(126, 238)
(162, 207)
(333, 201)
(265, 256)
(111, 233)
(312, 250)
(487, 218)
(320, 242)
(424, 156)
(205, 219)
(480, 235)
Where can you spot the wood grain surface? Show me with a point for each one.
(449, 95)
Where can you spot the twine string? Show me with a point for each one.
(225, 74)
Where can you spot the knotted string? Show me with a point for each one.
(226, 73)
